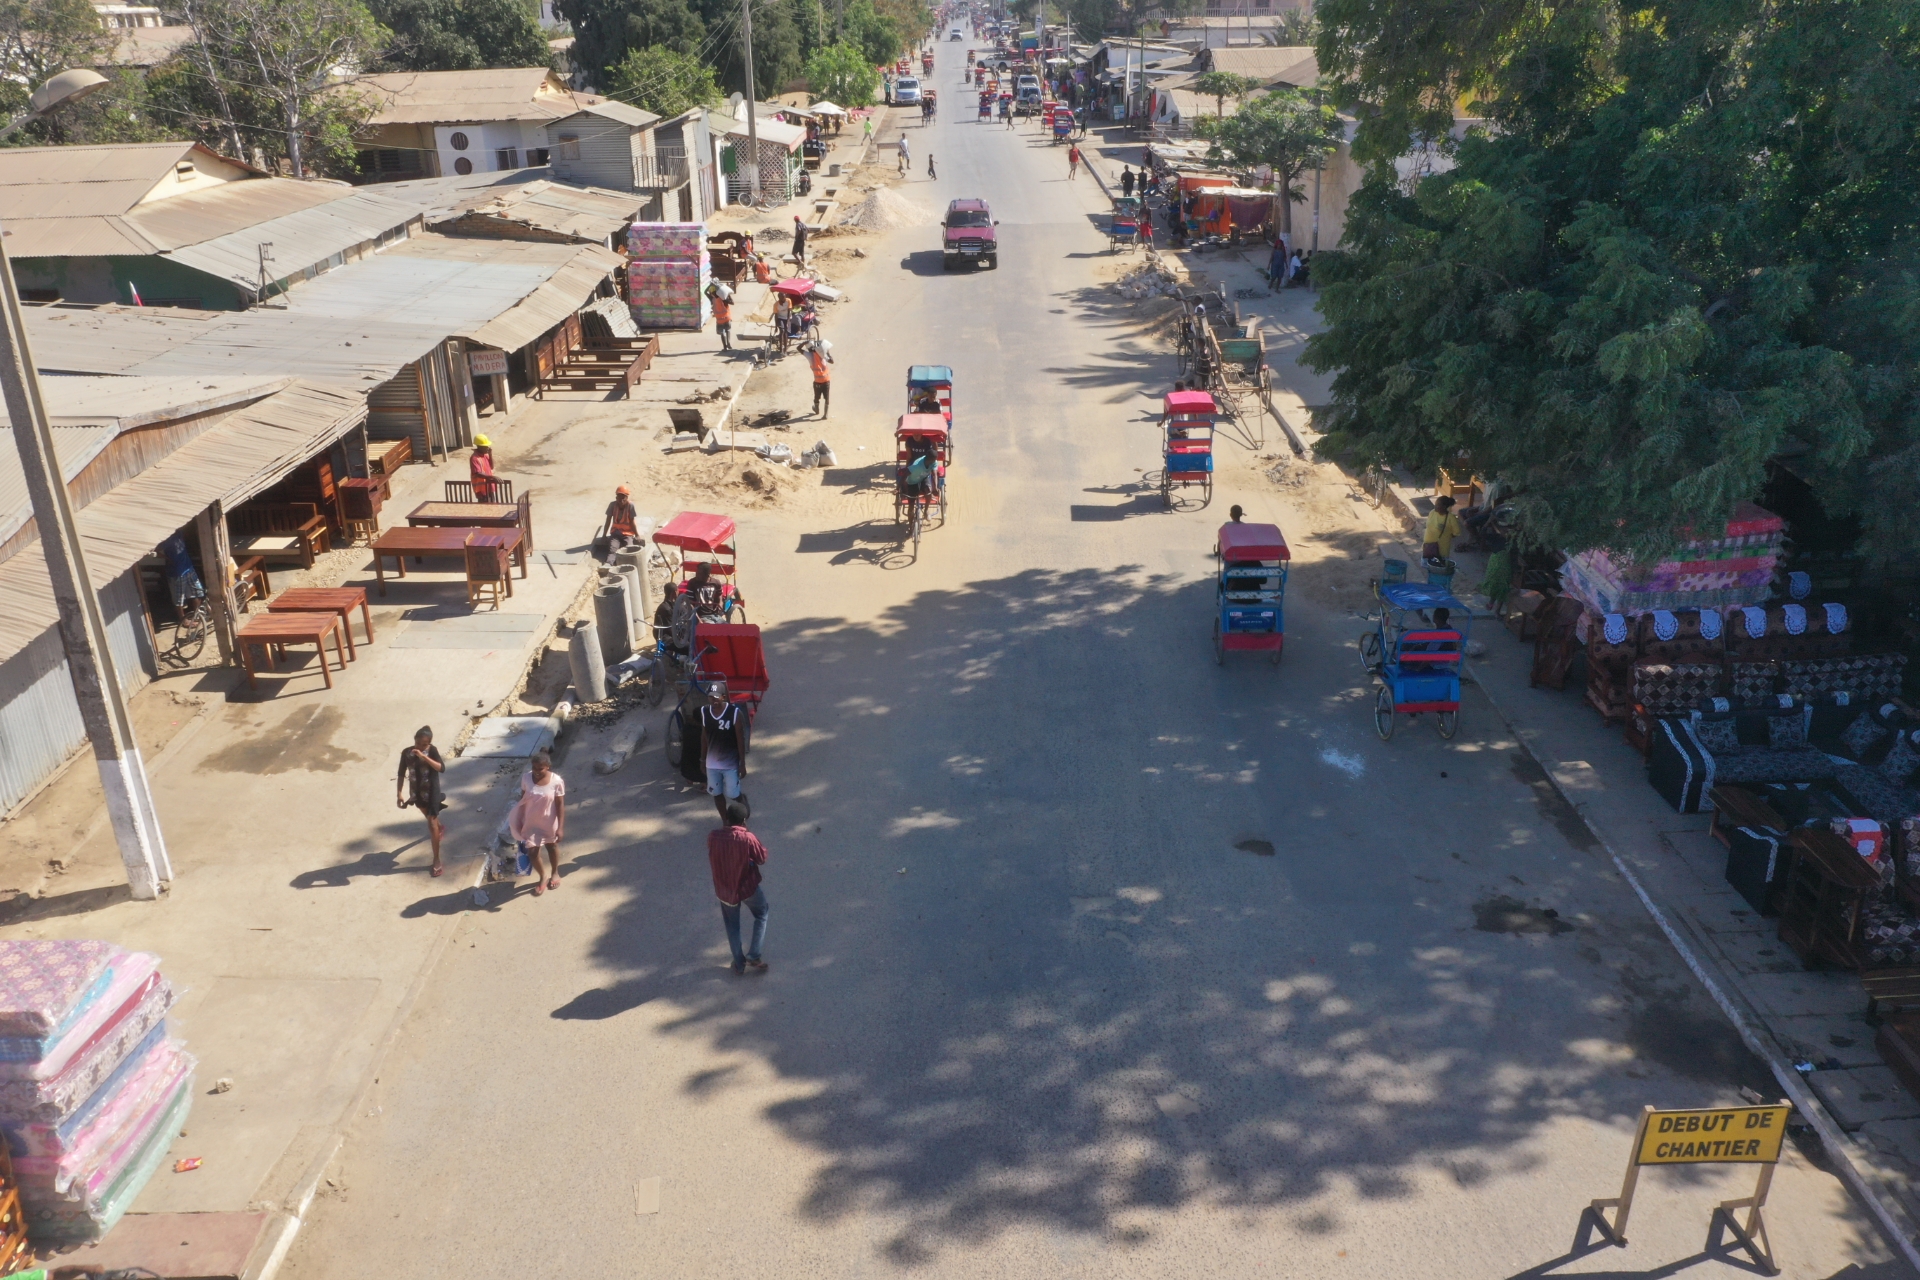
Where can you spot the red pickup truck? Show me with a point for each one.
(967, 235)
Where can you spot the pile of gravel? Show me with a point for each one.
(888, 210)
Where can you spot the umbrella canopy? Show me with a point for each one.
(824, 108)
(796, 287)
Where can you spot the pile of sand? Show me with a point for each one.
(888, 210)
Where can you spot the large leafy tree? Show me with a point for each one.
(460, 35)
(1286, 129)
(842, 74)
(664, 82)
(40, 38)
(1689, 247)
(1221, 85)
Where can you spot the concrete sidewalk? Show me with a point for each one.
(302, 919)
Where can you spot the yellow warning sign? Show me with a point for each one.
(1734, 1135)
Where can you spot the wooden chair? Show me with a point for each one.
(462, 491)
(250, 582)
(1466, 491)
(487, 569)
(298, 529)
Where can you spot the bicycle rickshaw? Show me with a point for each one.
(934, 380)
(1124, 227)
(723, 652)
(704, 539)
(1186, 450)
(1252, 590)
(1415, 657)
(920, 435)
(986, 104)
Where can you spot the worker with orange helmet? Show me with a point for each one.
(620, 528)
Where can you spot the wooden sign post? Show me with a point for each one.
(1721, 1135)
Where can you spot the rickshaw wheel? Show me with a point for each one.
(1166, 489)
(1206, 489)
(657, 681)
(1275, 659)
(1383, 714)
(736, 612)
(1219, 648)
(1448, 722)
(1370, 650)
(676, 738)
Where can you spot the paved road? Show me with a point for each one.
(1089, 956)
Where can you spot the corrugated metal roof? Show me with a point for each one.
(301, 239)
(87, 412)
(469, 97)
(89, 182)
(160, 226)
(356, 326)
(1282, 64)
(588, 213)
(618, 112)
(229, 462)
(789, 136)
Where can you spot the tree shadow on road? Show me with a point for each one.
(1024, 977)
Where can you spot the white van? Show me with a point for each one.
(906, 92)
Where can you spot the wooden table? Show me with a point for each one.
(275, 631)
(442, 515)
(1735, 807)
(1826, 885)
(340, 600)
(411, 541)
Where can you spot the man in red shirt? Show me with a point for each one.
(736, 856)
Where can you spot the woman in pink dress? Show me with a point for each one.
(540, 819)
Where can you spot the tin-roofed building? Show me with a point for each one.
(441, 123)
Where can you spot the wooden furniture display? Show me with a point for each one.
(313, 483)
(273, 632)
(1735, 807)
(462, 491)
(1891, 991)
(16, 1252)
(437, 541)
(278, 531)
(1825, 886)
(480, 515)
(360, 502)
(250, 582)
(489, 569)
(393, 455)
(340, 600)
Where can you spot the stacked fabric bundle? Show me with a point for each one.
(667, 274)
(1736, 568)
(92, 1091)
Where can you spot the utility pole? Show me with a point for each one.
(753, 124)
(1318, 169)
(83, 631)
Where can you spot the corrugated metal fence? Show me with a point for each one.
(39, 718)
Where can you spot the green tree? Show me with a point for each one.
(1221, 85)
(38, 39)
(1286, 130)
(1690, 246)
(664, 82)
(606, 31)
(460, 35)
(270, 69)
(842, 74)
(877, 36)
(1296, 27)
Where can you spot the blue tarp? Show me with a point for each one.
(924, 374)
(1421, 595)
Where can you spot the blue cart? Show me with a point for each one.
(1415, 650)
(1252, 591)
(1186, 448)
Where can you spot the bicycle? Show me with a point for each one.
(189, 633)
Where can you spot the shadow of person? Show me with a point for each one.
(367, 864)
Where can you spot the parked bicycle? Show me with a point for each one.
(189, 633)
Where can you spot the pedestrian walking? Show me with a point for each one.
(819, 358)
(1126, 183)
(723, 321)
(867, 136)
(723, 738)
(799, 240)
(1073, 162)
(539, 821)
(417, 786)
(906, 156)
(931, 175)
(735, 856)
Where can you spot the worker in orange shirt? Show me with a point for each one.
(818, 359)
(723, 320)
(480, 467)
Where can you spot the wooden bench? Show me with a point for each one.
(394, 455)
(1891, 991)
(278, 531)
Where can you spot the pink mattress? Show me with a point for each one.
(41, 982)
(134, 973)
(52, 1099)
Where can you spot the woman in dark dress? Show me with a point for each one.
(418, 786)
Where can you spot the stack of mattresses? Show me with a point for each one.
(1735, 568)
(92, 1091)
(667, 274)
